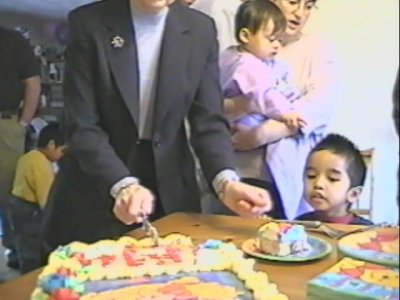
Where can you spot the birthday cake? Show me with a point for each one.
(133, 269)
(283, 239)
(355, 280)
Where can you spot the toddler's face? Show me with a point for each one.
(327, 183)
(262, 43)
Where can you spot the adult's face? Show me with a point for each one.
(296, 12)
(152, 6)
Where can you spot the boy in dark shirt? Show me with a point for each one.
(333, 180)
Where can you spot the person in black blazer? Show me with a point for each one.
(115, 172)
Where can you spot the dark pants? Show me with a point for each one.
(6, 228)
(26, 218)
(7, 237)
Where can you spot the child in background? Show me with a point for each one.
(333, 180)
(33, 179)
(250, 69)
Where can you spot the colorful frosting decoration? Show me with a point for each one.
(137, 270)
(355, 279)
(283, 239)
(378, 245)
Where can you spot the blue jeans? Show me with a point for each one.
(26, 218)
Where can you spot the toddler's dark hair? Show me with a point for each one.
(254, 14)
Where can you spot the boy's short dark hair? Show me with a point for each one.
(340, 145)
(253, 14)
(49, 133)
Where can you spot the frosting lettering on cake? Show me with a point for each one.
(137, 270)
(355, 279)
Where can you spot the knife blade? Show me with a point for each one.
(149, 229)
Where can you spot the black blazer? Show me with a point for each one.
(101, 118)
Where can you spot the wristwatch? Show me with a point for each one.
(122, 184)
(222, 179)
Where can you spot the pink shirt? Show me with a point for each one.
(243, 74)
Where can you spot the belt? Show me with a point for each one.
(7, 114)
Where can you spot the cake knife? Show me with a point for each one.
(307, 224)
(150, 230)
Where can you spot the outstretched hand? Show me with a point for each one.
(246, 200)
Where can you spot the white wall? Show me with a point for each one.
(367, 36)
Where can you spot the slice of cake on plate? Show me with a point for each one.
(283, 239)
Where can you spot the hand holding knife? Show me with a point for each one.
(150, 230)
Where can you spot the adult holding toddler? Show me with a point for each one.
(313, 76)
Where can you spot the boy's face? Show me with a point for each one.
(327, 183)
(55, 153)
(296, 12)
(262, 43)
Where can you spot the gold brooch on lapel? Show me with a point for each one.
(117, 42)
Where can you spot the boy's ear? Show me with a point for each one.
(244, 35)
(354, 194)
(51, 145)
